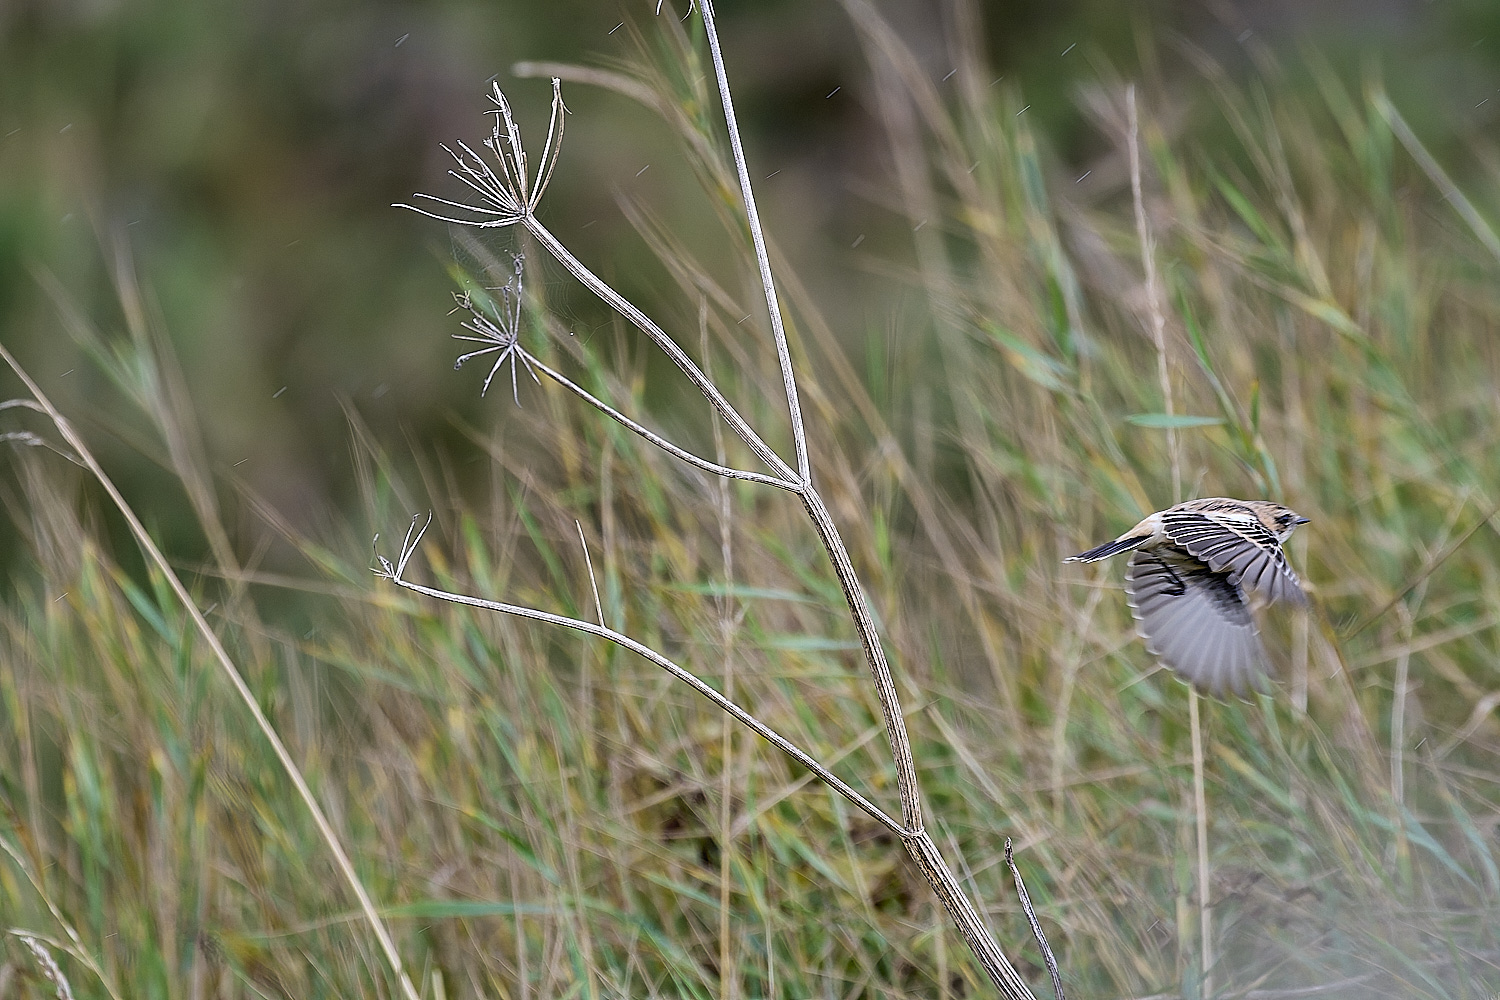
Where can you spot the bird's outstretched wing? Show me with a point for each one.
(1196, 620)
(1239, 546)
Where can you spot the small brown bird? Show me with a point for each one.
(1196, 573)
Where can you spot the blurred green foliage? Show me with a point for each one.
(542, 815)
(244, 156)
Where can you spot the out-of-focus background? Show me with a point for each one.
(200, 262)
(244, 157)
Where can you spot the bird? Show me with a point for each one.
(1197, 573)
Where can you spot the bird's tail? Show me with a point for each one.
(1108, 549)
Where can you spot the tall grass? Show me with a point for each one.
(537, 814)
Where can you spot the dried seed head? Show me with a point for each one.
(512, 193)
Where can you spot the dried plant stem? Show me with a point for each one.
(752, 216)
(656, 439)
(658, 336)
(74, 945)
(1200, 817)
(976, 935)
(396, 574)
(1036, 926)
(919, 843)
(1398, 709)
(1158, 318)
(728, 984)
(221, 655)
(510, 197)
(1153, 291)
(885, 685)
(1452, 194)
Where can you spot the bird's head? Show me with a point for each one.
(1280, 521)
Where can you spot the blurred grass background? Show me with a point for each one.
(197, 257)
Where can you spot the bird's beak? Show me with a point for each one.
(1302, 520)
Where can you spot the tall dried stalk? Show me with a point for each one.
(508, 197)
(85, 457)
(1157, 314)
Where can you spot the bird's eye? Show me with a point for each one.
(1284, 519)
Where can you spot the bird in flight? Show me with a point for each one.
(1196, 573)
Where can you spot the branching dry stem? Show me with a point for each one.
(509, 197)
(396, 573)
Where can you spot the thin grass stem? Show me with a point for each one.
(1153, 292)
(1200, 824)
(221, 656)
